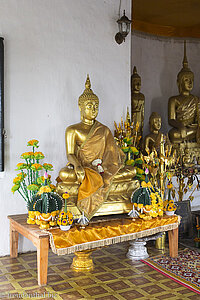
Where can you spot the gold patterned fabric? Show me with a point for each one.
(95, 187)
(107, 232)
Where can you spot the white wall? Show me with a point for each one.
(50, 46)
(158, 61)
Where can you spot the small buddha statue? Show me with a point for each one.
(96, 164)
(183, 109)
(153, 139)
(137, 101)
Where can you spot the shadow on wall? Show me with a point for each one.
(167, 87)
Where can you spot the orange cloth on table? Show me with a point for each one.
(106, 229)
(94, 189)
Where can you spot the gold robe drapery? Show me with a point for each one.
(94, 189)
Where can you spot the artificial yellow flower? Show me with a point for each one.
(153, 213)
(170, 207)
(33, 143)
(153, 196)
(153, 202)
(39, 155)
(148, 207)
(44, 189)
(160, 212)
(36, 167)
(53, 187)
(142, 216)
(146, 184)
(140, 205)
(48, 167)
(170, 185)
(65, 195)
(21, 166)
(27, 155)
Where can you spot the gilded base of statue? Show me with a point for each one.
(82, 262)
(117, 202)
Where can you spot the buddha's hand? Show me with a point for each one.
(80, 173)
(183, 131)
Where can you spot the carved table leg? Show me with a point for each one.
(42, 260)
(13, 241)
(82, 261)
(173, 242)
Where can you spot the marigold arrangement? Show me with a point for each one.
(169, 204)
(29, 181)
(42, 202)
(127, 138)
(147, 202)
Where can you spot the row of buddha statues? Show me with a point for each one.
(183, 112)
(96, 177)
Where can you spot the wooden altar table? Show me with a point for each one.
(41, 238)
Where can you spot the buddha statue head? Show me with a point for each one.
(185, 77)
(135, 81)
(88, 103)
(155, 122)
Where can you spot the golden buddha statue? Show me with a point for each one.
(183, 109)
(95, 176)
(137, 101)
(153, 139)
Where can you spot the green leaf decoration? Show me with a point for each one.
(40, 180)
(125, 149)
(130, 162)
(128, 141)
(140, 171)
(134, 150)
(138, 161)
(33, 187)
(15, 188)
(140, 177)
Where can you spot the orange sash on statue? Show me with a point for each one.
(94, 189)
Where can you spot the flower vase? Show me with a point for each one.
(169, 213)
(65, 227)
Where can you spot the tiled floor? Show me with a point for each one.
(114, 277)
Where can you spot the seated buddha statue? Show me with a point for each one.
(152, 140)
(96, 169)
(137, 101)
(183, 109)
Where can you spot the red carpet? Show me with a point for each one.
(185, 269)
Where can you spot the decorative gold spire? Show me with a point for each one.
(185, 69)
(185, 61)
(87, 83)
(88, 93)
(128, 118)
(135, 74)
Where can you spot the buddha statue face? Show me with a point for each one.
(136, 84)
(88, 103)
(89, 109)
(185, 82)
(155, 122)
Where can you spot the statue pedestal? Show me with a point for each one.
(138, 249)
(82, 262)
